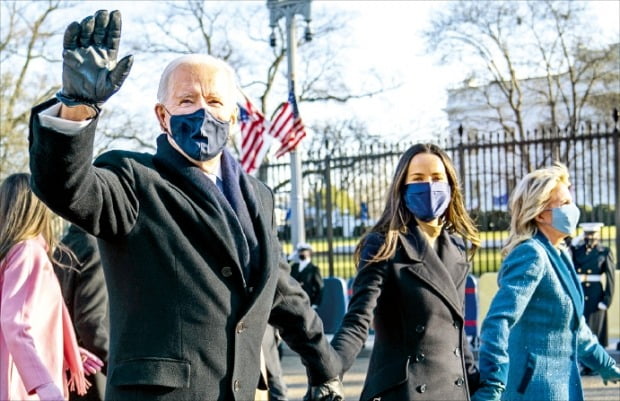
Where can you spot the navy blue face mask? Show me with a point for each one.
(200, 135)
(427, 200)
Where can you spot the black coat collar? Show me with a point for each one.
(217, 212)
(444, 272)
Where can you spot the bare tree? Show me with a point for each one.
(574, 70)
(24, 30)
(239, 33)
(30, 57)
(483, 32)
(524, 53)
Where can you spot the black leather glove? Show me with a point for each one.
(90, 73)
(331, 390)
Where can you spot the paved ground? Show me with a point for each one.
(295, 377)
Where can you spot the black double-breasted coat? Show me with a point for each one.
(416, 301)
(185, 324)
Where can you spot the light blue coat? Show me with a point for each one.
(534, 333)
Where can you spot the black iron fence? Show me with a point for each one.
(344, 190)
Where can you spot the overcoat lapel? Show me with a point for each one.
(431, 269)
(212, 204)
(262, 228)
(565, 271)
(453, 258)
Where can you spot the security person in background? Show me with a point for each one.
(595, 267)
(308, 274)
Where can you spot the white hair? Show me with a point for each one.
(194, 59)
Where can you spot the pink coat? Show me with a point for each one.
(37, 341)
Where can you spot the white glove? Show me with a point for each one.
(602, 306)
(50, 392)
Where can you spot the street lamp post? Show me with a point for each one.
(288, 9)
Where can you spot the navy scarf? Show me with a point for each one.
(238, 201)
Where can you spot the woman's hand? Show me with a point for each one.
(92, 364)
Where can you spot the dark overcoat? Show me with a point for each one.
(597, 262)
(416, 299)
(311, 281)
(595, 268)
(185, 324)
(84, 290)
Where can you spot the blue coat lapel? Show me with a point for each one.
(565, 271)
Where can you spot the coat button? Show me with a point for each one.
(587, 297)
(421, 388)
(589, 271)
(459, 382)
(419, 357)
(241, 327)
(587, 284)
(457, 351)
(420, 328)
(226, 271)
(236, 385)
(455, 324)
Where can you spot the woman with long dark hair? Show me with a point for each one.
(412, 268)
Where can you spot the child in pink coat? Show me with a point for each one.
(37, 339)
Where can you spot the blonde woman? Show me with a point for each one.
(411, 284)
(37, 340)
(534, 334)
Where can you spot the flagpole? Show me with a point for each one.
(288, 9)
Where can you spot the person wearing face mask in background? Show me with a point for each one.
(187, 238)
(308, 274)
(412, 268)
(534, 334)
(594, 263)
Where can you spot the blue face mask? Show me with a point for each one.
(200, 135)
(427, 200)
(565, 218)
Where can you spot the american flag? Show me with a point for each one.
(287, 126)
(254, 143)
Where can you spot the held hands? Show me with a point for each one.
(610, 374)
(92, 364)
(489, 391)
(49, 392)
(90, 73)
(331, 390)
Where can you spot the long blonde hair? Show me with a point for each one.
(396, 215)
(529, 199)
(23, 216)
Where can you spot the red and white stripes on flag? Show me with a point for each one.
(287, 126)
(254, 143)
